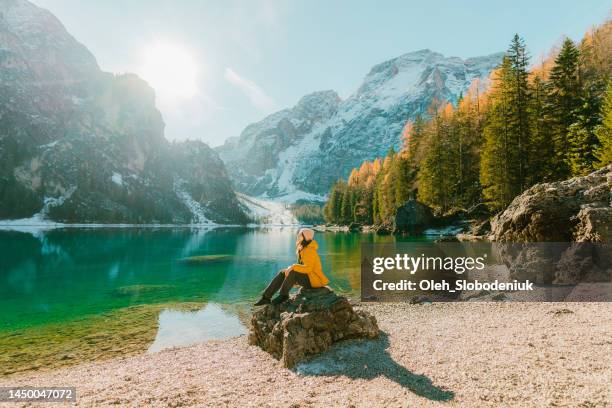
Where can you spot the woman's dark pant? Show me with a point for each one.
(285, 283)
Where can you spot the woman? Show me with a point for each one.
(307, 272)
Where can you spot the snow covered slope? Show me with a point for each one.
(266, 211)
(300, 152)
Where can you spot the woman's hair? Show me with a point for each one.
(302, 240)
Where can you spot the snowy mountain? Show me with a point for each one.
(81, 145)
(299, 153)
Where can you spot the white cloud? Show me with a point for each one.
(256, 95)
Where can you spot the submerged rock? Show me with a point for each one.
(307, 324)
(204, 259)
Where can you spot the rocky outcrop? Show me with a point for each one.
(309, 323)
(413, 218)
(578, 209)
(81, 145)
(559, 232)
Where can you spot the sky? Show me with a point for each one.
(219, 65)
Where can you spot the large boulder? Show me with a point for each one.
(573, 216)
(594, 225)
(413, 217)
(307, 324)
(578, 209)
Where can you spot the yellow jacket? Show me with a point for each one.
(311, 265)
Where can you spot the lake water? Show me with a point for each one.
(183, 285)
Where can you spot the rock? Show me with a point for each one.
(447, 238)
(584, 262)
(413, 217)
(471, 238)
(481, 228)
(575, 209)
(594, 225)
(307, 324)
(382, 230)
(499, 297)
(419, 300)
(478, 211)
(354, 227)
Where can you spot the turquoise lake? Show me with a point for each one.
(70, 276)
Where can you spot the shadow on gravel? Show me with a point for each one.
(368, 359)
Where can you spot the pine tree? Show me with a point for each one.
(604, 131)
(518, 99)
(528, 127)
(592, 88)
(333, 208)
(563, 104)
(541, 149)
(499, 157)
(436, 175)
(346, 207)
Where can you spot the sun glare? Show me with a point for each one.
(171, 70)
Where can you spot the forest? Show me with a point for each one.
(526, 124)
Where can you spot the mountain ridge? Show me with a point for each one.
(275, 159)
(81, 145)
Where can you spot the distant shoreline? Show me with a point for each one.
(11, 225)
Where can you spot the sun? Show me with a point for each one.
(171, 70)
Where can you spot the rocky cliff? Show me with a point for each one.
(299, 152)
(81, 145)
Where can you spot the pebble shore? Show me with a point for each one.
(441, 354)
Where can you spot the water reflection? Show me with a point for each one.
(65, 274)
(89, 290)
(180, 328)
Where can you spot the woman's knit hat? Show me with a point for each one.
(307, 233)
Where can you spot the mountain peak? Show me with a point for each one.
(303, 150)
(33, 34)
(318, 104)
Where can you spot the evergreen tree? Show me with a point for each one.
(518, 100)
(541, 149)
(525, 129)
(499, 157)
(333, 208)
(346, 207)
(604, 131)
(436, 175)
(563, 104)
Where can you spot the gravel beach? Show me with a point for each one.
(442, 354)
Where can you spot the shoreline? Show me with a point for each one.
(9, 225)
(467, 354)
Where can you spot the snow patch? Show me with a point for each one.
(197, 210)
(49, 145)
(299, 195)
(117, 179)
(266, 211)
(39, 221)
